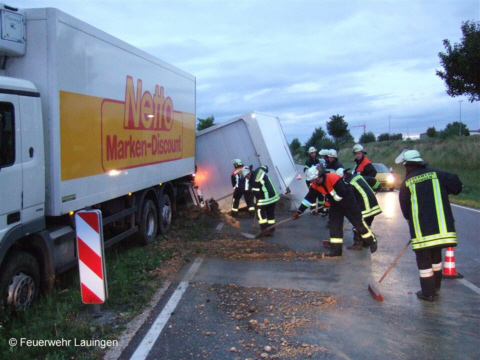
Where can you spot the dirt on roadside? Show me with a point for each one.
(194, 235)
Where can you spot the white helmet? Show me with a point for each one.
(314, 172)
(237, 162)
(323, 152)
(410, 156)
(357, 148)
(332, 153)
(340, 171)
(312, 149)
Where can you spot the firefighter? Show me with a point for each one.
(313, 161)
(366, 200)
(363, 166)
(241, 187)
(342, 204)
(333, 164)
(265, 194)
(426, 207)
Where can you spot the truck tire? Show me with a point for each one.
(165, 214)
(148, 226)
(19, 281)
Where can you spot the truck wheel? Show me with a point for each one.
(165, 214)
(148, 222)
(20, 281)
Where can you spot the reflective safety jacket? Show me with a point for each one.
(332, 187)
(364, 195)
(425, 205)
(239, 182)
(364, 167)
(263, 188)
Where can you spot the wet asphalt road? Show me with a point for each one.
(354, 327)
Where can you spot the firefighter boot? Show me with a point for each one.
(374, 244)
(357, 241)
(335, 250)
(266, 233)
(428, 289)
(234, 214)
(251, 214)
(438, 281)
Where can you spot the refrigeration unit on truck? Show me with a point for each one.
(256, 139)
(87, 122)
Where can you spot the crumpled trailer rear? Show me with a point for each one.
(255, 138)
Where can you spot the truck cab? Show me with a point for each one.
(22, 180)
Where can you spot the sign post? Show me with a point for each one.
(91, 257)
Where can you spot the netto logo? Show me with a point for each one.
(147, 112)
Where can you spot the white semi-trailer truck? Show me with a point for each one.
(87, 121)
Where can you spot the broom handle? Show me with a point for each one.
(395, 261)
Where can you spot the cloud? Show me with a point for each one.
(302, 61)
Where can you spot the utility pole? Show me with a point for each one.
(460, 101)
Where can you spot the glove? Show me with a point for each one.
(296, 215)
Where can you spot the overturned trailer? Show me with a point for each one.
(257, 139)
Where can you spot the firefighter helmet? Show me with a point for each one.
(357, 148)
(410, 156)
(332, 153)
(312, 149)
(341, 171)
(323, 152)
(314, 172)
(237, 163)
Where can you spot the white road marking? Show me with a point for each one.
(470, 285)
(466, 208)
(152, 335)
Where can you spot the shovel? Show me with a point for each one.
(259, 234)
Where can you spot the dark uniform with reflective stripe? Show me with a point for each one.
(343, 204)
(241, 187)
(266, 195)
(367, 202)
(333, 166)
(426, 207)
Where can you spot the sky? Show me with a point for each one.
(302, 61)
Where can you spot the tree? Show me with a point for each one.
(453, 129)
(432, 132)
(205, 123)
(338, 129)
(387, 137)
(317, 135)
(383, 137)
(367, 138)
(295, 147)
(461, 64)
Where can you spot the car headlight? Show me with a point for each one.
(390, 179)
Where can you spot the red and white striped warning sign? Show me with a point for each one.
(91, 259)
